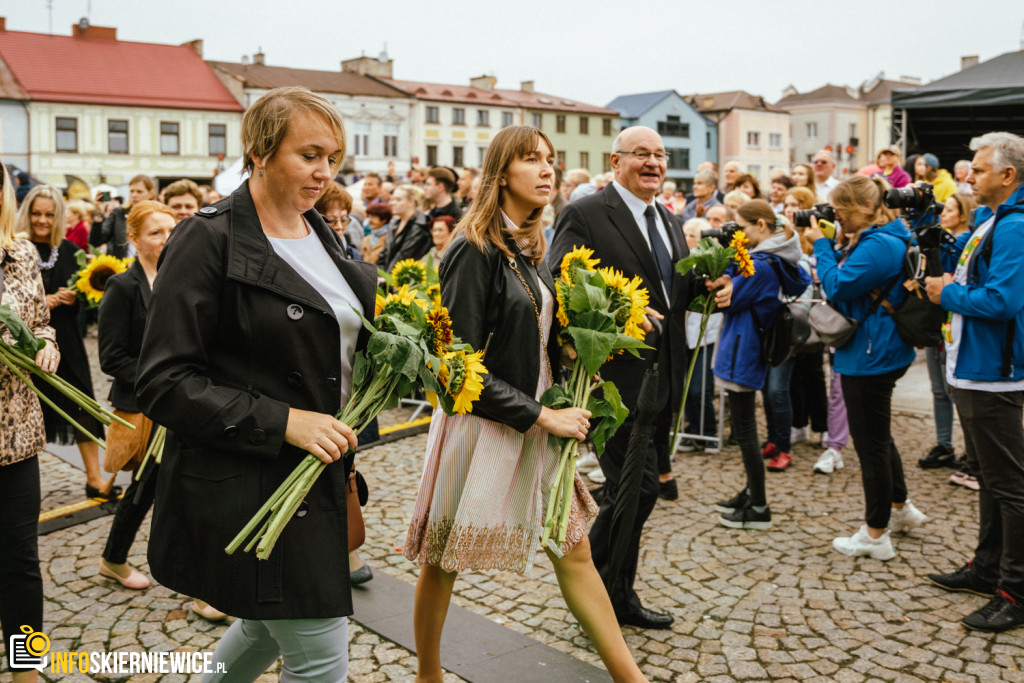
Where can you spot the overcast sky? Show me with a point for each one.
(590, 51)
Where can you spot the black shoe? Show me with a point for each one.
(940, 456)
(668, 490)
(361, 575)
(963, 580)
(93, 492)
(690, 446)
(737, 502)
(747, 518)
(1001, 614)
(645, 618)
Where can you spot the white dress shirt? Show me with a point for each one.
(637, 207)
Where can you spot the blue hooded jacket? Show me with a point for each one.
(993, 299)
(875, 261)
(739, 358)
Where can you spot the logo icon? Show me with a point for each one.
(28, 650)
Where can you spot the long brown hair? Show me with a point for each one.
(483, 223)
(759, 209)
(860, 193)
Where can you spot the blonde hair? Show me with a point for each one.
(80, 208)
(736, 196)
(483, 223)
(265, 123)
(8, 208)
(412, 192)
(863, 194)
(140, 212)
(803, 196)
(24, 224)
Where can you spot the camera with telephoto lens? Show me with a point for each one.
(723, 234)
(913, 200)
(821, 212)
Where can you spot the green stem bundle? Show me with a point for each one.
(705, 315)
(155, 450)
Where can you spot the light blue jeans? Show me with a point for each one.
(313, 650)
(941, 399)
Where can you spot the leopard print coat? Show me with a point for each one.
(22, 435)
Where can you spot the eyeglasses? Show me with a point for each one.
(336, 220)
(644, 155)
(821, 161)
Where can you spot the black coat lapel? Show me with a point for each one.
(139, 274)
(622, 218)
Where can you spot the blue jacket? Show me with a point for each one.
(739, 357)
(874, 262)
(993, 299)
(951, 255)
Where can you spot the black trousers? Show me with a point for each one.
(994, 436)
(131, 510)
(807, 391)
(743, 412)
(869, 412)
(21, 584)
(620, 587)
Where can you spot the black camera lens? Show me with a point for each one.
(821, 212)
(912, 198)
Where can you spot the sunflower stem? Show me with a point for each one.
(704, 316)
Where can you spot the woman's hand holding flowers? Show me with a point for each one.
(321, 435)
(569, 423)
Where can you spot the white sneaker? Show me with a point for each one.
(796, 435)
(587, 462)
(829, 461)
(824, 438)
(906, 519)
(862, 545)
(597, 476)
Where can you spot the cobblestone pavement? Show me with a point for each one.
(778, 605)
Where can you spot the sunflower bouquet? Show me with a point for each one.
(709, 259)
(19, 358)
(601, 311)
(90, 281)
(411, 346)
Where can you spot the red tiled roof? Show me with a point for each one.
(731, 99)
(497, 97)
(100, 71)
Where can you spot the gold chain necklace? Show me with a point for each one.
(536, 311)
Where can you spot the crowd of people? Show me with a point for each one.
(206, 334)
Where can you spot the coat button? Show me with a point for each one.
(230, 430)
(258, 437)
(302, 510)
(295, 379)
(295, 311)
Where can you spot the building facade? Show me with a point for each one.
(690, 138)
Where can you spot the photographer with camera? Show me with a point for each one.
(985, 368)
(875, 357)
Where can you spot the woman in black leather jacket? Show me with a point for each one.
(481, 500)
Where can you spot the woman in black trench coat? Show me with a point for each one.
(247, 356)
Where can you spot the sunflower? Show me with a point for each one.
(461, 373)
(562, 292)
(397, 303)
(628, 300)
(579, 257)
(409, 272)
(434, 292)
(92, 280)
(743, 260)
(439, 330)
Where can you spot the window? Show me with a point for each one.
(431, 155)
(753, 139)
(755, 170)
(708, 143)
(458, 156)
(584, 125)
(506, 119)
(483, 117)
(812, 131)
(560, 123)
(560, 158)
(390, 140)
(218, 139)
(361, 139)
(673, 127)
(432, 115)
(606, 126)
(67, 134)
(678, 158)
(853, 131)
(536, 120)
(170, 142)
(481, 152)
(775, 140)
(458, 116)
(606, 162)
(117, 137)
(585, 160)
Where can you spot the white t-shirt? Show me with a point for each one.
(310, 259)
(825, 189)
(957, 322)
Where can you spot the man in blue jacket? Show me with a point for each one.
(985, 371)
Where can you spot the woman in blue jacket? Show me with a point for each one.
(740, 366)
(876, 356)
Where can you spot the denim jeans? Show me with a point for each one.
(941, 397)
(777, 409)
(311, 649)
(701, 396)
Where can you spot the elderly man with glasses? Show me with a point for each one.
(824, 166)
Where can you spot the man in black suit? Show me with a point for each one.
(630, 231)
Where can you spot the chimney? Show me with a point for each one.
(378, 67)
(967, 61)
(196, 45)
(259, 58)
(3, 23)
(526, 86)
(83, 30)
(484, 82)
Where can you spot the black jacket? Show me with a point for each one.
(235, 337)
(413, 242)
(113, 230)
(490, 309)
(122, 322)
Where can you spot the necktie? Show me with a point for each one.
(661, 255)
